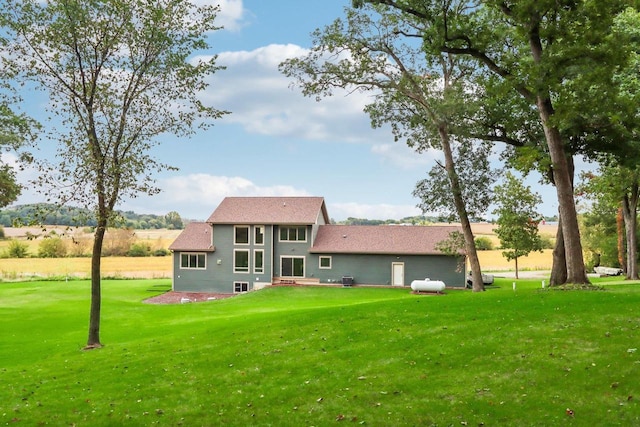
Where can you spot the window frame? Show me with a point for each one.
(292, 257)
(198, 256)
(258, 269)
(235, 260)
(256, 229)
(288, 229)
(240, 283)
(327, 257)
(235, 234)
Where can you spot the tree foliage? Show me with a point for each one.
(118, 74)
(424, 98)
(16, 132)
(557, 59)
(517, 223)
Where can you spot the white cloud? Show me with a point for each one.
(405, 157)
(195, 196)
(232, 14)
(263, 101)
(341, 211)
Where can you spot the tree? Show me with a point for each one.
(517, 223)
(557, 56)
(424, 99)
(16, 132)
(174, 221)
(118, 74)
(618, 187)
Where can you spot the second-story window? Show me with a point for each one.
(241, 235)
(293, 234)
(259, 235)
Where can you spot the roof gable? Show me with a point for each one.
(381, 239)
(196, 236)
(270, 210)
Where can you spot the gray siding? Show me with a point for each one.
(293, 249)
(376, 269)
(219, 275)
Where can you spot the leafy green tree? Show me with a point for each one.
(424, 99)
(173, 221)
(52, 247)
(559, 57)
(118, 73)
(16, 131)
(619, 188)
(517, 223)
(18, 249)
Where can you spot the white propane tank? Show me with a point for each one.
(427, 285)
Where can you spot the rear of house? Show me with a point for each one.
(251, 242)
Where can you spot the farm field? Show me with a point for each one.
(292, 356)
(158, 267)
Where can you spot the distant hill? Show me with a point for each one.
(73, 216)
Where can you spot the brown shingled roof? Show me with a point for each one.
(195, 237)
(380, 239)
(270, 210)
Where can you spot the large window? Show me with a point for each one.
(258, 238)
(293, 234)
(241, 261)
(193, 260)
(258, 261)
(292, 266)
(241, 235)
(240, 287)
(325, 262)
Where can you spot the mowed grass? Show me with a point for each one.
(303, 356)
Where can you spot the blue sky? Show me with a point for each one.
(277, 142)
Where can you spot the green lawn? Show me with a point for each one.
(321, 356)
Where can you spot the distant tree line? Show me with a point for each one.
(47, 214)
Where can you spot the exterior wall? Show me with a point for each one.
(376, 269)
(293, 249)
(219, 275)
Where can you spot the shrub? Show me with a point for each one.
(484, 244)
(52, 247)
(118, 242)
(138, 250)
(18, 249)
(2, 235)
(547, 241)
(161, 252)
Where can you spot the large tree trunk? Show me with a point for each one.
(576, 272)
(620, 230)
(458, 200)
(96, 292)
(559, 266)
(630, 213)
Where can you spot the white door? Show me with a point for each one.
(397, 273)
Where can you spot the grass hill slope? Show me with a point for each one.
(321, 356)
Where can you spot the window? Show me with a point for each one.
(325, 262)
(240, 287)
(292, 266)
(241, 235)
(258, 261)
(258, 237)
(193, 260)
(240, 261)
(293, 234)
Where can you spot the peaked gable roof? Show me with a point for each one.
(196, 236)
(381, 239)
(270, 210)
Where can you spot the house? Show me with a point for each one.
(252, 242)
